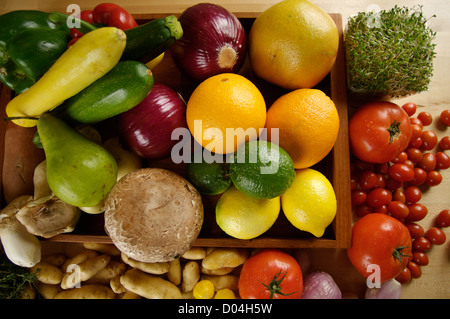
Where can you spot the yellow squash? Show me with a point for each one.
(91, 57)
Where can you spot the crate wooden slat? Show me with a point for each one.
(282, 235)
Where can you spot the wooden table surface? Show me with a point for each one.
(435, 279)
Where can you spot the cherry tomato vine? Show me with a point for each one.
(396, 187)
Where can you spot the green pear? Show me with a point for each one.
(80, 172)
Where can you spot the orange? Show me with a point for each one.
(308, 125)
(293, 44)
(224, 112)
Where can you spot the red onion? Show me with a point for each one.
(320, 285)
(213, 42)
(147, 127)
(390, 289)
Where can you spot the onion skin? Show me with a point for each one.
(390, 289)
(147, 127)
(320, 285)
(214, 41)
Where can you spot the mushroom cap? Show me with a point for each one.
(48, 216)
(153, 215)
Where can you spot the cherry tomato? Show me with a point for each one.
(428, 162)
(435, 235)
(443, 218)
(415, 270)
(271, 273)
(410, 108)
(400, 158)
(444, 143)
(425, 117)
(381, 240)
(399, 195)
(442, 160)
(429, 140)
(413, 194)
(74, 33)
(416, 131)
(381, 181)
(415, 230)
(393, 184)
(415, 142)
(420, 258)
(398, 210)
(417, 211)
(420, 176)
(414, 154)
(358, 197)
(379, 131)
(401, 172)
(363, 210)
(421, 244)
(416, 121)
(378, 197)
(367, 180)
(433, 178)
(404, 276)
(445, 117)
(382, 209)
(382, 168)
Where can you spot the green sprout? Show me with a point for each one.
(389, 52)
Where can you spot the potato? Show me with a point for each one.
(57, 259)
(149, 286)
(157, 268)
(218, 271)
(108, 249)
(48, 291)
(191, 275)
(47, 273)
(195, 253)
(130, 295)
(104, 275)
(116, 286)
(79, 258)
(84, 270)
(225, 257)
(87, 292)
(174, 273)
(225, 281)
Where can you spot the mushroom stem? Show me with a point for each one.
(21, 247)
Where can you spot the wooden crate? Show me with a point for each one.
(336, 166)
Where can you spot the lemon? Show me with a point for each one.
(245, 217)
(310, 203)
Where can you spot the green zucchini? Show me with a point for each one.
(122, 88)
(146, 41)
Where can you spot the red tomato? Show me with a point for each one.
(444, 143)
(420, 258)
(87, 15)
(120, 18)
(380, 240)
(102, 12)
(415, 230)
(401, 172)
(442, 160)
(429, 140)
(417, 211)
(415, 270)
(422, 244)
(378, 197)
(425, 117)
(114, 16)
(404, 276)
(271, 274)
(379, 131)
(433, 178)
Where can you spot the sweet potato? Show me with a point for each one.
(21, 157)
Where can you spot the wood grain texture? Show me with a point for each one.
(435, 279)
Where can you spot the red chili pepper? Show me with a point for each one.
(74, 33)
